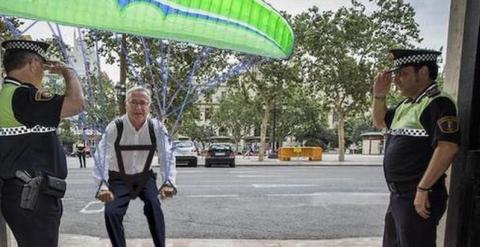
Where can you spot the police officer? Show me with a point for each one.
(124, 157)
(422, 140)
(33, 163)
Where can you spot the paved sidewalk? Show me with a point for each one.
(80, 241)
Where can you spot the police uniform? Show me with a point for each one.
(29, 144)
(414, 128)
(127, 155)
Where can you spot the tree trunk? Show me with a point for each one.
(123, 76)
(263, 130)
(341, 136)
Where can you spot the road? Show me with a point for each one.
(248, 203)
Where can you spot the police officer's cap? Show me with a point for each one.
(407, 57)
(36, 47)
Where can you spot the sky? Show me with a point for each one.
(431, 15)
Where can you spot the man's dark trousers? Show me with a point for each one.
(37, 227)
(403, 225)
(115, 211)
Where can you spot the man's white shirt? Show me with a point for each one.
(134, 161)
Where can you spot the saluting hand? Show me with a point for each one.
(422, 205)
(382, 84)
(56, 67)
(105, 196)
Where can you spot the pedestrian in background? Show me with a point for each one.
(82, 153)
(422, 139)
(127, 147)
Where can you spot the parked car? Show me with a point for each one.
(185, 153)
(220, 153)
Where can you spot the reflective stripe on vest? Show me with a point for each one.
(406, 121)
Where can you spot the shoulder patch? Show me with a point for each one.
(448, 124)
(43, 96)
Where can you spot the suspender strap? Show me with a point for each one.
(118, 151)
(119, 148)
(153, 140)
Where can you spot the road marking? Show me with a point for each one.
(241, 172)
(260, 176)
(85, 210)
(190, 171)
(334, 194)
(214, 186)
(80, 181)
(282, 185)
(212, 196)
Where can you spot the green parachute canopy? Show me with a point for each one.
(249, 26)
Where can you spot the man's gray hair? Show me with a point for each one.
(139, 89)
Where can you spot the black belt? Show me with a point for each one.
(402, 187)
(409, 186)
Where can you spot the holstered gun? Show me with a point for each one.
(30, 190)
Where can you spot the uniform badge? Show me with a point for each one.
(448, 125)
(43, 96)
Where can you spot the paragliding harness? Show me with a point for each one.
(135, 182)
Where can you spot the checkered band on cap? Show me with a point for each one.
(408, 132)
(23, 130)
(421, 58)
(26, 45)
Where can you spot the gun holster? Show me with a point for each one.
(44, 184)
(54, 186)
(30, 191)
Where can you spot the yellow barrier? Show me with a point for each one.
(313, 153)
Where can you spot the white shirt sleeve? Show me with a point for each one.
(103, 155)
(166, 159)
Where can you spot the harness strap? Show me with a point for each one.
(135, 182)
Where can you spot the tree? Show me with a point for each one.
(183, 67)
(66, 134)
(302, 116)
(345, 49)
(270, 81)
(5, 32)
(236, 112)
(100, 104)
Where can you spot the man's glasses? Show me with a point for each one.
(141, 103)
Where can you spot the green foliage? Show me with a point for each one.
(5, 33)
(355, 127)
(302, 116)
(101, 106)
(238, 113)
(178, 59)
(343, 51)
(66, 134)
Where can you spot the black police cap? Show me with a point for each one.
(408, 57)
(36, 47)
